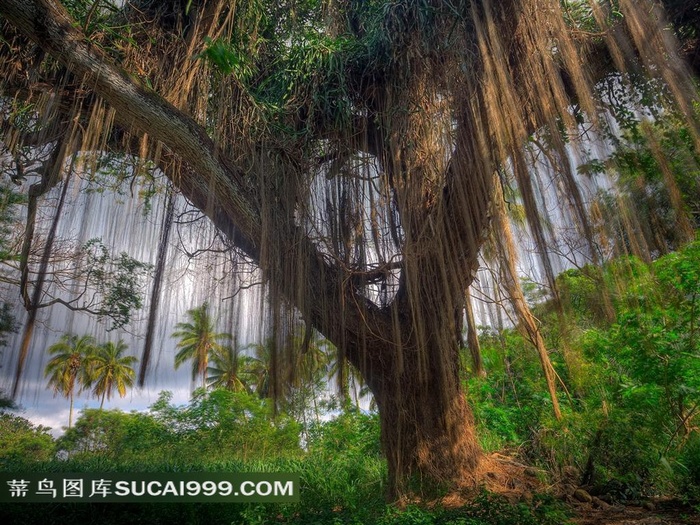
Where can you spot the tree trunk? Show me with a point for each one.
(70, 411)
(427, 432)
(427, 427)
(412, 369)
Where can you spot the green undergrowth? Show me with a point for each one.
(341, 491)
(343, 479)
(632, 381)
(333, 493)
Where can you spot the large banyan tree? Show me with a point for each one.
(349, 149)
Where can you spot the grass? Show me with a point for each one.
(345, 490)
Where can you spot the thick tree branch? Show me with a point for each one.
(209, 180)
(217, 185)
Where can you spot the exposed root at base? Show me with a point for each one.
(496, 473)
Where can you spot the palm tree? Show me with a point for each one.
(198, 340)
(111, 370)
(69, 366)
(260, 367)
(346, 375)
(311, 359)
(230, 369)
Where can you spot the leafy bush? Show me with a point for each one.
(116, 435)
(634, 382)
(21, 440)
(222, 425)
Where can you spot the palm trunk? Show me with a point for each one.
(203, 368)
(70, 411)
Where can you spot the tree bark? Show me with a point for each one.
(427, 427)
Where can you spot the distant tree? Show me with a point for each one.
(260, 367)
(68, 368)
(308, 381)
(345, 375)
(220, 424)
(9, 198)
(660, 199)
(95, 431)
(111, 370)
(229, 369)
(198, 339)
(8, 323)
(6, 402)
(133, 436)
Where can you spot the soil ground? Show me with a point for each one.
(504, 474)
(664, 512)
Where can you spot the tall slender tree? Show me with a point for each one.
(68, 370)
(197, 340)
(111, 370)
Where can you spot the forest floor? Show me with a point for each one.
(660, 512)
(518, 483)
